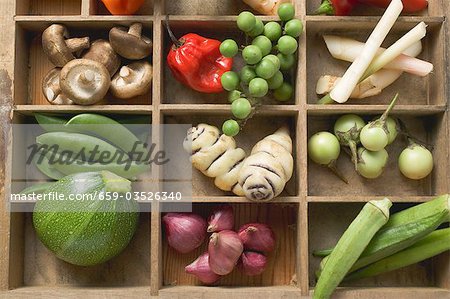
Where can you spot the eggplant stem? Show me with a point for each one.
(174, 39)
(332, 166)
(389, 109)
(352, 146)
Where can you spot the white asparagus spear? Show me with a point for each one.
(348, 49)
(353, 75)
(373, 85)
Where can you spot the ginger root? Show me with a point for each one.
(269, 166)
(216, 156)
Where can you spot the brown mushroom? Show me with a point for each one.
(52, 90)
(58, 49)
(101, 51)
(132, 80)
(84, 81)
(130, 44)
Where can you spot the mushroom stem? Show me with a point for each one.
(51, 94)
(87, 77)
(77, 44)
(135, 29)
(174, 39)
(127, 74)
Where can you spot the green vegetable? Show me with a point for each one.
(106, 128)
(350, 246)
(234, 95)
(293, 28)
(423, 210)
(246, 21)
(415, 162)
(241, 108)
(86, 232)
(247, 73)
(258, 87)
(375, 135)
(324, 149)
(258, 29)
(276, 81)
(230, 127)
(266, 69)
(371, 164)
(229, 48)
(284, 92)
(286, 61)
(252, 54)
(49, 123)
(274, 59)
(99, 125)
(263, 43)
(287, 45)
(37, 188)
(435, 243)
(439, 205)
(76, 143)
(347, 129)
(286, 11)
(230, 80)
(392, 240)
(42, 163)
(272, 30)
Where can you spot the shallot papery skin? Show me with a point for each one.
(224, 250)
(185, 231)
(221, 219)
(253, 263)
(257, 237)
(200, 268)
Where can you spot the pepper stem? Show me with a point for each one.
(326, 8)
(174, 39)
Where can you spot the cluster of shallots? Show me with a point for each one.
(246, 248)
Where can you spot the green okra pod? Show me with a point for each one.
(394, 239)
(409, 218)
(435, 243)
(355, 239)
(432, 207)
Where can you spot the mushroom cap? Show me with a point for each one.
(51, 89)
(132, 80)
(85, 81)
(101, 51)
(128, 45)
(54, 45)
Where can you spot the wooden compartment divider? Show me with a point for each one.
(314, 223)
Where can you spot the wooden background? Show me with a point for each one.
(313, 211)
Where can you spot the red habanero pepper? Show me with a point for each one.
(123, 7)
(408, 5)
(336, 7)
(196, 62)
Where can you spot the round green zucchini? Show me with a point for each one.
(86, 232)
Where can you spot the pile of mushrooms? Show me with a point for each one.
(84, 71)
